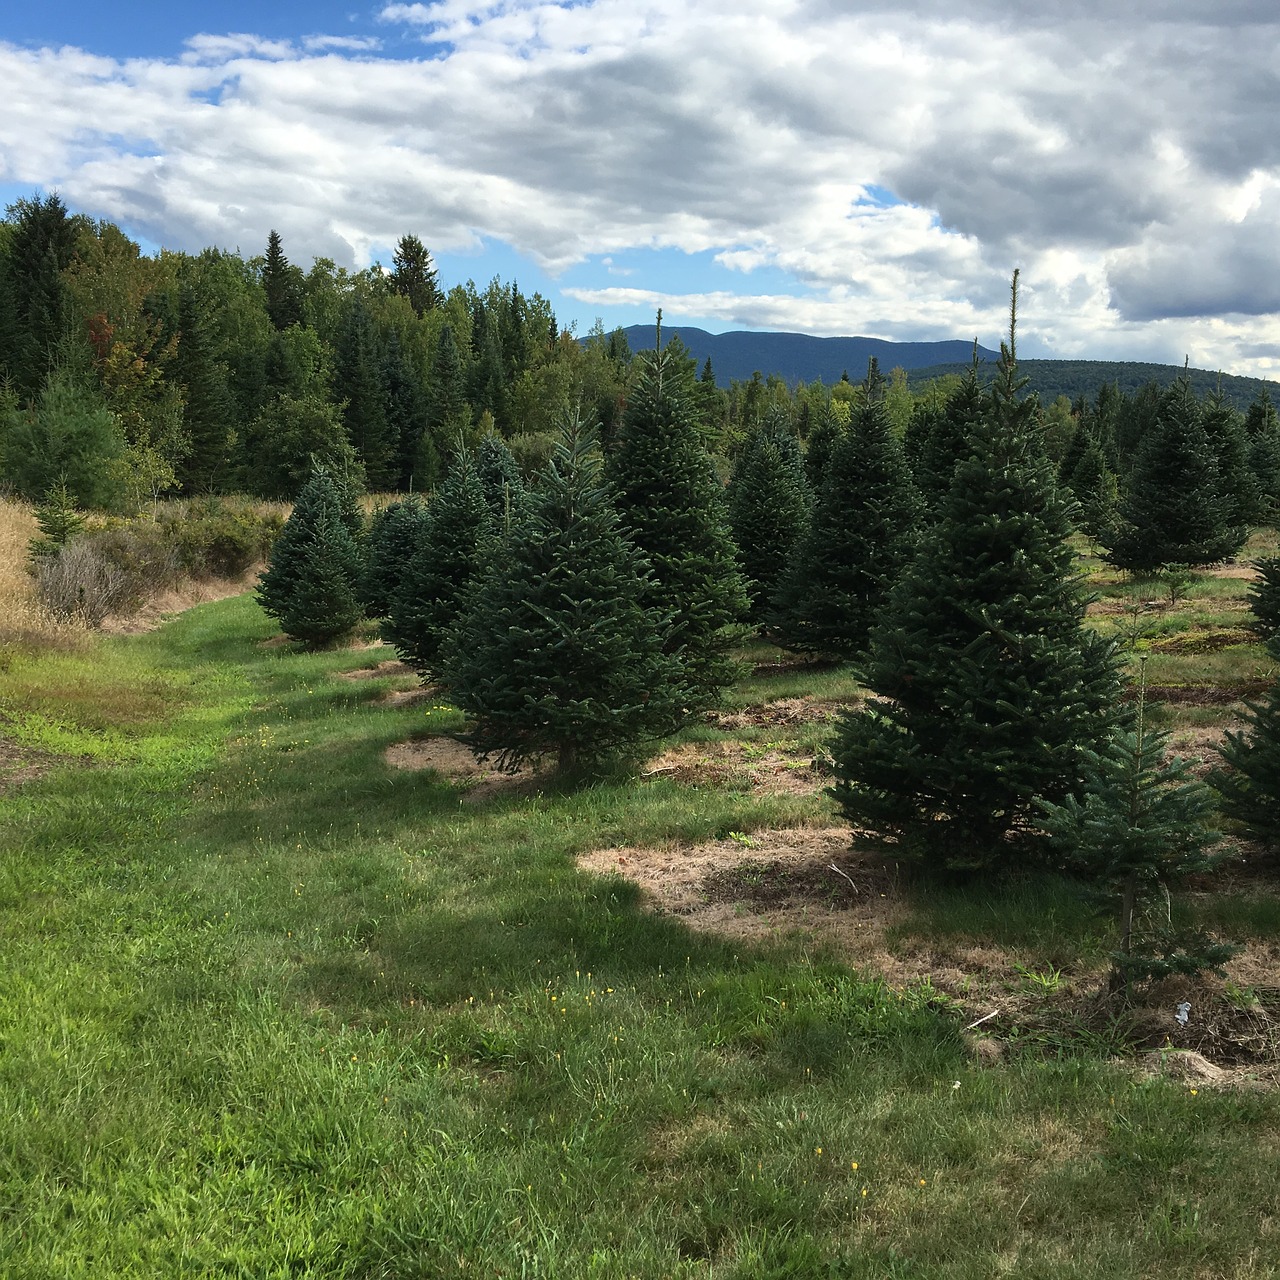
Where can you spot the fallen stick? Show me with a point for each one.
(846, 875)
(985, 1018)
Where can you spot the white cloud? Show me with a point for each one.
(345, 44)
(1126, 159)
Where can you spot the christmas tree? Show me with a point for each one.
(672, 506)
(442, 562)
(311, 584)
(558, 652)
(988, 690)
(860, 537)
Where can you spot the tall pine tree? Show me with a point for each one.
(358, 382)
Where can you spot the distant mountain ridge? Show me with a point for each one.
(798, 357)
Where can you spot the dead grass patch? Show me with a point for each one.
(783, 713)
(458, 764)
(806, 885)
(379, 671)
(770, 768)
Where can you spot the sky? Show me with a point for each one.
(863, 167)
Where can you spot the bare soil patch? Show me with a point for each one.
(19, 764)
(773, 768)
(1203, 695)
(458, 764)
(394, 669)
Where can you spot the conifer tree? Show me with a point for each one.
(41, 246)
(358, 382)
(557, 652)
(392, 541)
(282, 285)
(1237, 487)
(859, 539)
(823, 438)
(405, 407)
(988, 688)
(414, 275)
(1141, 825)
(500, 479)
(311, 584)
(768, 507)
(449, 546)
(68, 436)
(1250, 783)
(447, 409)
(1262, 429)
(208, 410)
(947, 439)
(1173, 510)
(1264, 597)
(1094, 488)
(58, 520)
(672, 506)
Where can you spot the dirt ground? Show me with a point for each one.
(19, 764)
(457, 763)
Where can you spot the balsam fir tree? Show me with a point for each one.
(822, 441)
(312, 581)
(860, 538)
(1141, 825)
(1250, 784)
(1264, 597)
(448, 549)
(393, 538)
(672, 506)
(1173, 510)
(942, 440)
(1262, 429)
(988, 691)
(59, 522)
(768, 505)
(500, 478)
(557, 652)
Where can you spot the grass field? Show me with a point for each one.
(272, 1007)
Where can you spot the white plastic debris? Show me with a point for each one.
(1183, 1013)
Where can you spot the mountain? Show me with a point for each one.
(1074, 378)
(797, 357)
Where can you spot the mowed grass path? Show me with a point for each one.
(269, 1008)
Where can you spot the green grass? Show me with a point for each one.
(270, 1008)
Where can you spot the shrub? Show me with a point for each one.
(81, 584)
(220, 541)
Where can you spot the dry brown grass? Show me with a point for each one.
(22, 621)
